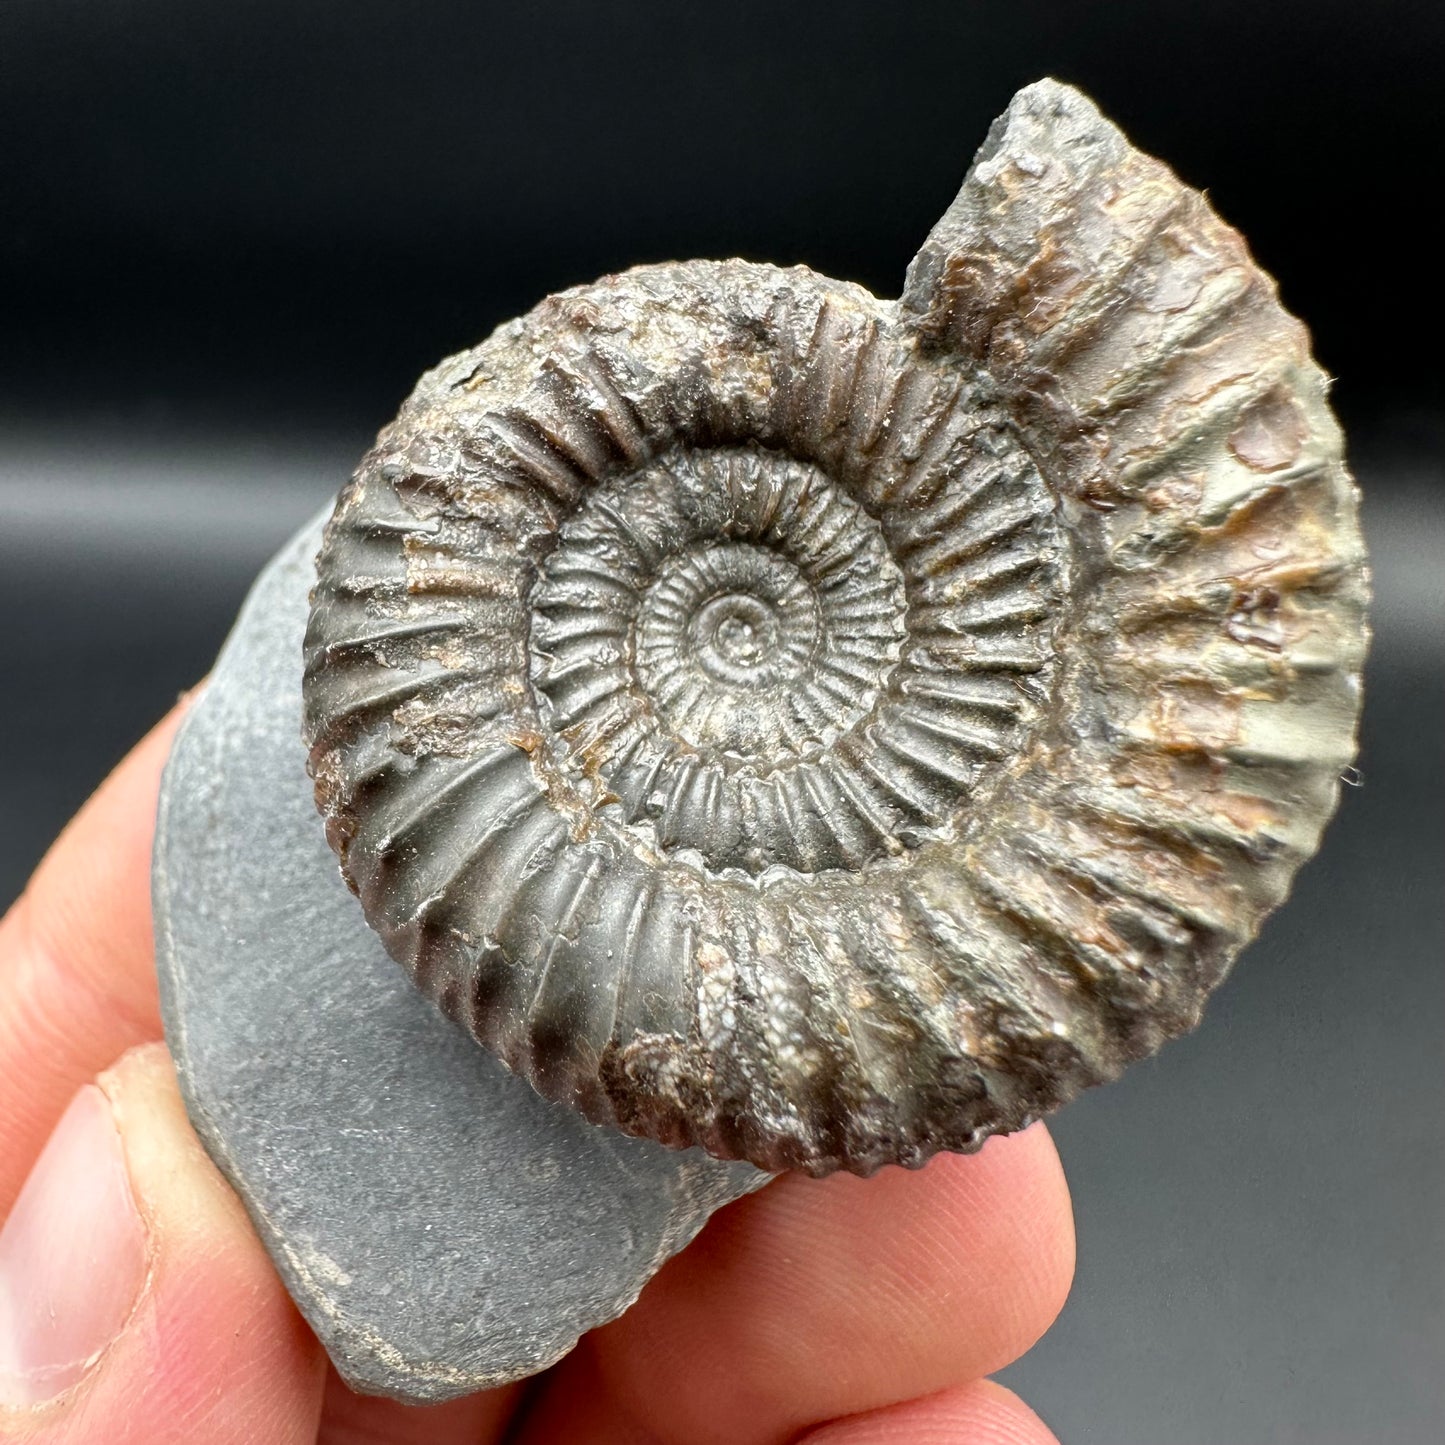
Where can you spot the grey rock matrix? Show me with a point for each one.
(441, 1226)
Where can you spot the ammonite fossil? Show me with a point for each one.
(830, 730)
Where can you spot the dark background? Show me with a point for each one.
(232, 235)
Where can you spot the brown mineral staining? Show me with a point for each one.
(1271, 434)
(830, 730)
(1247, 814)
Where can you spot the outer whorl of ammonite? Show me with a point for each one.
(829, 730)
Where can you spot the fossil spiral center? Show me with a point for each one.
(729, 667)
(736, 639)
(724, 637)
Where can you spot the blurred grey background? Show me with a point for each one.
(232, 237)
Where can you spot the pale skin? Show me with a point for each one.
(834, 1312)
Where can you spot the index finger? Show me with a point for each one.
(819, 1298)
(77, 980)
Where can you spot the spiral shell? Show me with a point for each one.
(830, 730)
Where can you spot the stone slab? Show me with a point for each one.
(441, 1226)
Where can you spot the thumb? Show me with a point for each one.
(137, 1306)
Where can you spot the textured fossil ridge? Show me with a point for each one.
(831, 730)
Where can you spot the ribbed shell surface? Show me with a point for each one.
(831, 730)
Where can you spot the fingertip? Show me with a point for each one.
(980, 1413)
(102, 836)
(941, 1274)
(183, 1198)
(77, 976)
(816, 1298)
(211, 1347)
(1025, 1247)
(73, 1257)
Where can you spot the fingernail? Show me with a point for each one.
(72, 1257)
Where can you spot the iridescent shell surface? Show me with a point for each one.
(831, 730)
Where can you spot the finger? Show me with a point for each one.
(139, 1306)
(820, 1298)
(77, 989)
(77, 978)
(978, 1414)
(351, 1419)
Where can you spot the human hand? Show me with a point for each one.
(137, 1306)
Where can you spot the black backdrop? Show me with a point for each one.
(286, 208)
(232, 234)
